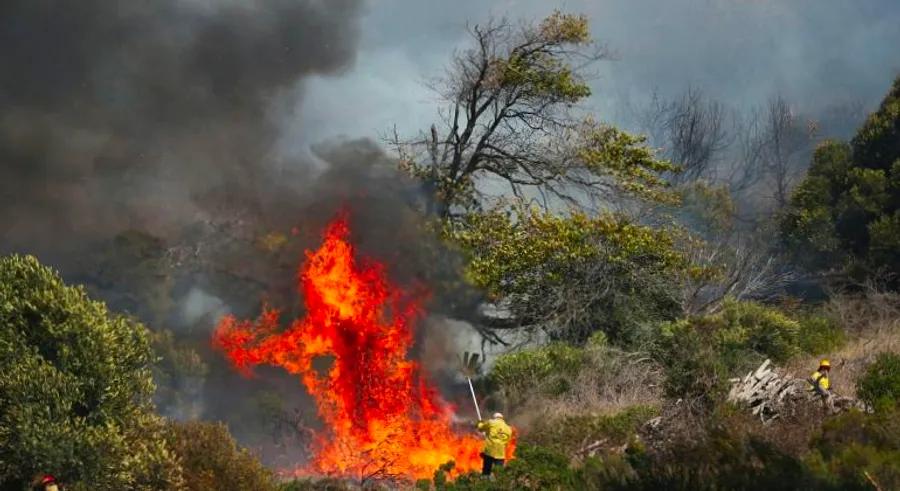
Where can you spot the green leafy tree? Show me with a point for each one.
(510, 120)
(570, 275)
(845, 215)
(75, 389)
(877, 143)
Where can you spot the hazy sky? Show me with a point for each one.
(814, 52)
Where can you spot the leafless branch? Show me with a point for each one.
(692, 129)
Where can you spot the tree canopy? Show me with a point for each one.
(845, 215)
(571, 275)
(511, 119)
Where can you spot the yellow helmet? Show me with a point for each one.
(825, 363)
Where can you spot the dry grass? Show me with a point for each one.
(872, 323)
(610, 381)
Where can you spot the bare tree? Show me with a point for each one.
(773, 147)
(509, 117)
(746, 168)
(743, 269)
(693, 130)
(786, 141)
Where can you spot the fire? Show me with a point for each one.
(382, 417)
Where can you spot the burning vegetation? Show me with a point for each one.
(382, 417)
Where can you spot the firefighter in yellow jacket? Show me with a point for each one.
(497, 435)
(819, 379)
(821, 385)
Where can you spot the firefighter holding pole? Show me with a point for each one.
(497, 434)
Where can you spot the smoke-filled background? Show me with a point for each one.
(813, 52)
(177, 156)
(150, 115)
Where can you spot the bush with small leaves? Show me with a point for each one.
(534, 468)
(859, 451)
(548, 368)
(568, 434)
(211, 459)
(695, 370)
(879, 387)
(701, 353)
(820, 334)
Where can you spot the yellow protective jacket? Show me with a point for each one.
(819, 381)
(496, 436)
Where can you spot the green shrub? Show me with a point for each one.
(743, 327)
(75, 388)
(598, 340)
(819, 334)
(211, 459)
(695, 369)
(723, 459)
(568, 434)
(701, 353)
(879, 387)
(534, 468)
(855, 444)
(549, 368)
(609, 472)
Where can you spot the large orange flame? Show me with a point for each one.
(383, 419)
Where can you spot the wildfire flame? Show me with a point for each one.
(382, 416)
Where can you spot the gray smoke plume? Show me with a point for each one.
(122, 114)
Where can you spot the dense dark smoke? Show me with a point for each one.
(148, 115)
(137, 156)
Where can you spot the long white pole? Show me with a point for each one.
(472, 390)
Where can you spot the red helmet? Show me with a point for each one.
(48, 479)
